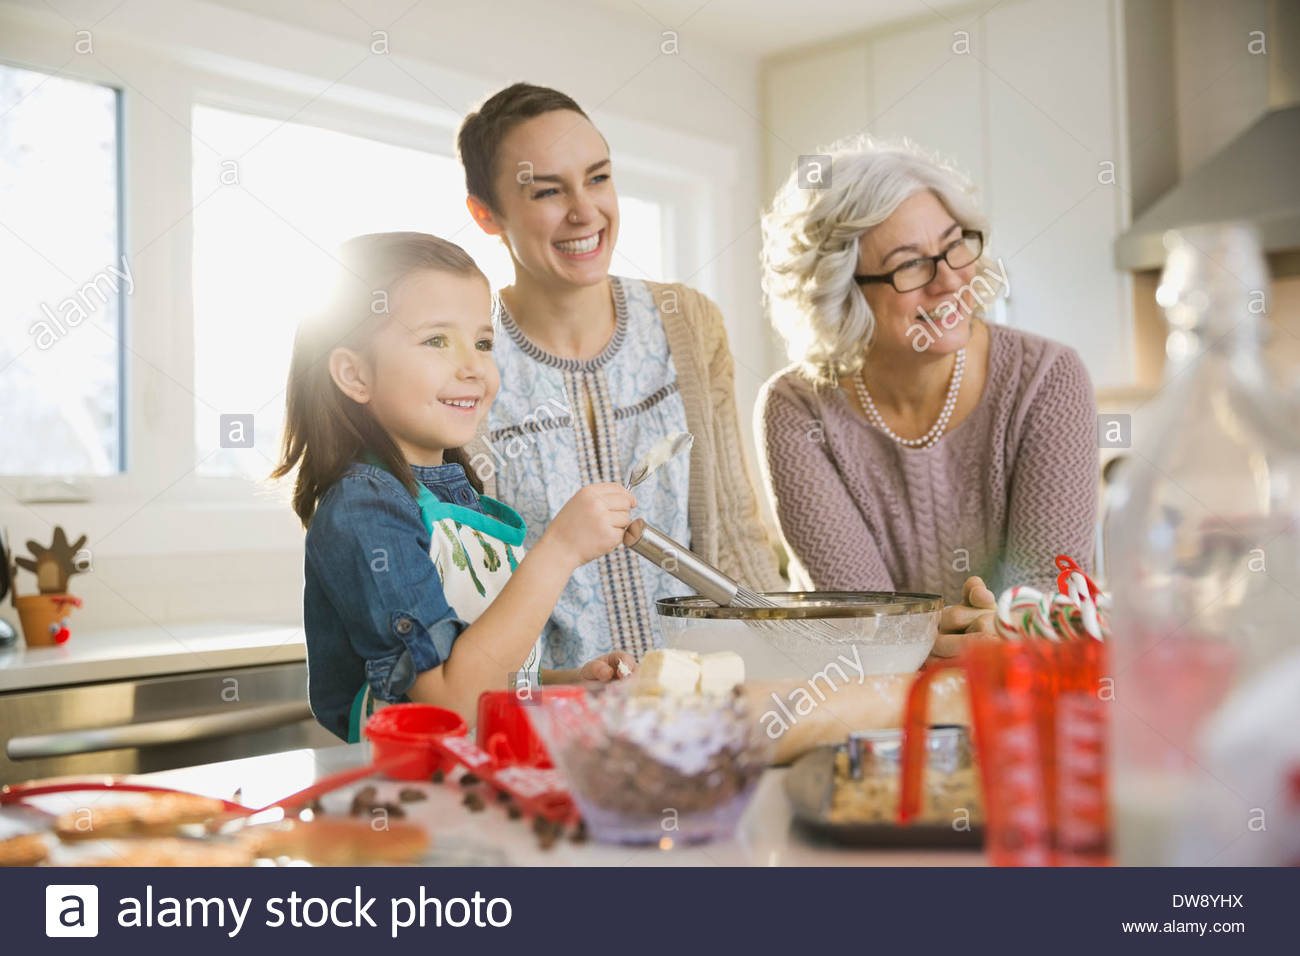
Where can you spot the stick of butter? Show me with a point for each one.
(720, 672)
(669, 671)
(678, 672)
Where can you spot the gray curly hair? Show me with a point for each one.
(811, 244)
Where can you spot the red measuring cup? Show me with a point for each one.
(409, 733)
(505, 731)
(430, 739)
(1082, 785)
(1040, 739)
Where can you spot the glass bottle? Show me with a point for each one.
(1206, 575)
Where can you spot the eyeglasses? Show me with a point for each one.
(917, 273)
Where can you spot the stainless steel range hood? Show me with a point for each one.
(1255, 178)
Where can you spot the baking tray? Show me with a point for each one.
(808, 785)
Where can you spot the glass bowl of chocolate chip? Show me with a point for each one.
(662, 769)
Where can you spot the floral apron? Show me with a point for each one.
(475, 554)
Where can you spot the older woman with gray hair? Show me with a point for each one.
(912, 445)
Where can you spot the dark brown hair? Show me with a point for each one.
(325, 431)
(483, 130)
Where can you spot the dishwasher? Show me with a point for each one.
(157, 723)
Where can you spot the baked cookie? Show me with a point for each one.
(157, 816)
(25, 850)
(337, 842)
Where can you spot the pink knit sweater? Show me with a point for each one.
(1000, 495)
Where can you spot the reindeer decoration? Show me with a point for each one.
(45, 615)
(53, 565)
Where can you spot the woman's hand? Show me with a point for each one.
(607, 667)
(974, 615)
(591, 523)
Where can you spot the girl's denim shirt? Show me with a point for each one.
(373, 607)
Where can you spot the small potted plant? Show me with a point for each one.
(44, 615)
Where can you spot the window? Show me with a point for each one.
(65, 276)
(274, 200)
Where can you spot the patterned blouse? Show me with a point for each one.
(544, 449)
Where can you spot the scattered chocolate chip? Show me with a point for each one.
(366, 794)
(548, 831)
(503, 796)
(411, 794)
(438, 776)
(579, 832)
(468, 780)
(474, 802)
(394, 810)
(513, 812)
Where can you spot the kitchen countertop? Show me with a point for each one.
(116, 654)
(766, 836)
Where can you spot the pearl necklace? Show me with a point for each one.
(936, 432)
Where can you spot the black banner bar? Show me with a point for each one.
(656, 909)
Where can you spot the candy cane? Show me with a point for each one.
(1067, 617)
(1083, 591)
(1067, 566)
(1036, 612)
(1024, 613)
(1077, 612)
(1003, 624)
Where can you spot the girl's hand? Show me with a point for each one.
(592, 523)
(606, 667)
(975, 615)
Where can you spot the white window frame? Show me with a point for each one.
(148, 506)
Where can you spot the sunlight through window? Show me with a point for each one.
(274, 200)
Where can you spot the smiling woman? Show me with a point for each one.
(913, 446)
(627, 361)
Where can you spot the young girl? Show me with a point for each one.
(417, 587)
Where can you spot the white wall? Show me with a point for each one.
(169, 548)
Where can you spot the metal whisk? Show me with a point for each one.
(692, 570)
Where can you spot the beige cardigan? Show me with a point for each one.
(726, 529)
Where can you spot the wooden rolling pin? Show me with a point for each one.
(800, 715)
